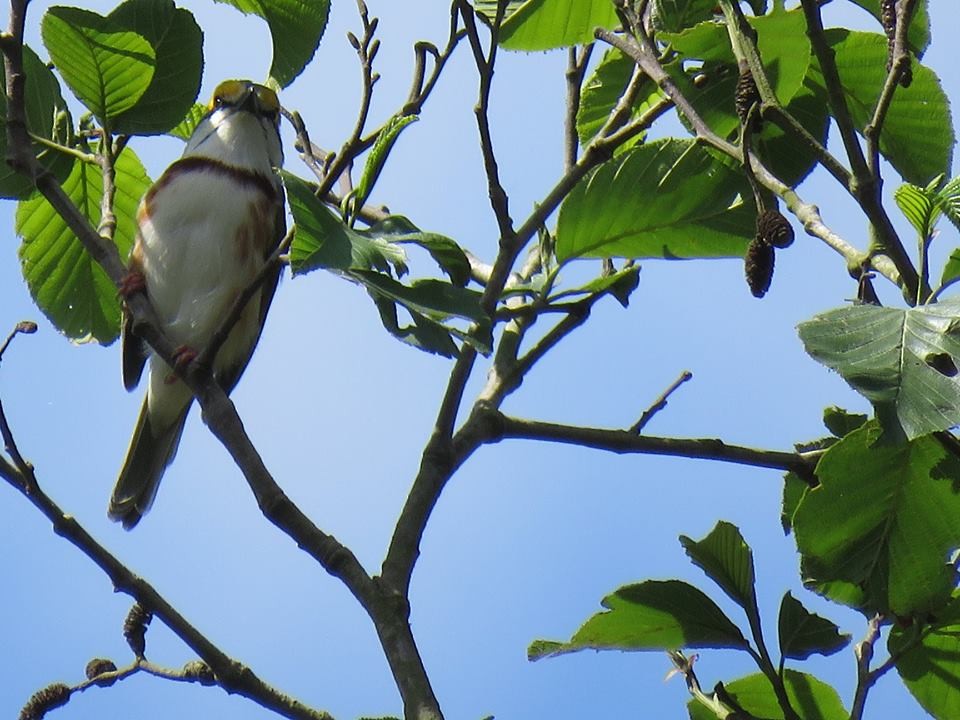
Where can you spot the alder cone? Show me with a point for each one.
(746, 95)
(758, 267)
(774, 229)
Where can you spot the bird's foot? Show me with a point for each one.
(133, 282)
(182, 357)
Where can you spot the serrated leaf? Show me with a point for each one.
(903, 361)
(296, 27)
(803, 633)
(652, 615)
(810, 697)
(919, 207)
(184, 129)
(177, 42)
(884, 520)
(727, 560)
(108, 67)
(447, 254)
(666, 199)
(918, 135)
(842, 422)
(47, 117)
(65, 282)
(549, 24)
(378, 156)
(931, 668)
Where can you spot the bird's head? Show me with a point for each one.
(241, 127)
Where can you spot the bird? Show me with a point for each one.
(205, 229)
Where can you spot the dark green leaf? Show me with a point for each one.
(296, 27)
(666, 199)
(675, 15)
(842, 422)
(107, 66)
(803, 633)
(883, 519)
(549, 24)
(71, 289)
(652, 615)
(917, 136)
(918, 35)
(727, 560)
(177, 42)
(447, 254)
(812, 699)
(931, 668)
(47, 117)
(893, 357)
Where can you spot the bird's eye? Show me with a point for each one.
(218, 101)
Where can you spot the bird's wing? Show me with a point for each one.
(134, 350)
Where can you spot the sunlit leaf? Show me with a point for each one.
(883, 519)
(549, 24)
(652, 615)
(727, 560)
(65, 282)
(812, 699)
(919, 207)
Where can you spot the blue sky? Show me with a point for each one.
(526, 539)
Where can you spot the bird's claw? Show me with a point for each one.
(182, 357)
(133, 282)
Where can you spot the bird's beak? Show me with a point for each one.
(251, 101)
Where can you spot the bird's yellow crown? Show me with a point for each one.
(234, 92)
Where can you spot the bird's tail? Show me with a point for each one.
(151, 450)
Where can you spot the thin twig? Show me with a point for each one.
(24, 327)
(660, 403)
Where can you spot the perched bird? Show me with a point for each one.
(205, 229)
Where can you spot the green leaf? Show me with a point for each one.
(296, 27)
(378, 156)
(931, 669)
(794, 488)
(918, 35)
(917, 136)
(549, 24)
(184, 129)
(652, 615)
(918, 206)
(883, 519)
(949, 197)
(675, 15)
(812, 698)
(666, 199)
(447, 254)
(620, 284)
(803, 633)
(488, 8)
(177, 42)
(727, 560)
(108, 67)
(842, 422)
(323, 241)
(47, 117)
(904, 361)
(65, 282)
(602, 91)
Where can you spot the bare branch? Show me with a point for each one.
(661, 402)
